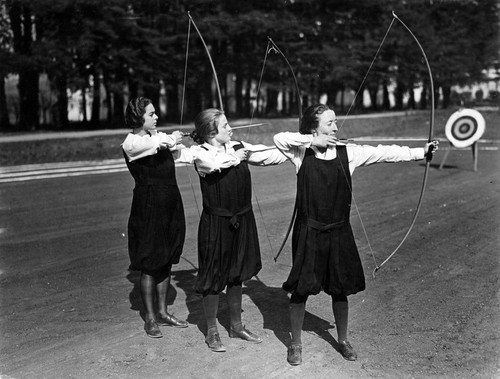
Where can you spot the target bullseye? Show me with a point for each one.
(464, 127)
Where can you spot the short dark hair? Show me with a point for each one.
(134, 114)
(310, 118)
(205, 124)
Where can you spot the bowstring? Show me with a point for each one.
(251, 119)
(182, 110)
(366, 75)
(341, 164)
(260, 82)
(277, 50)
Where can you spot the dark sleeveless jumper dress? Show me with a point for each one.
(228, 243)
(156, 226)
(324, 252)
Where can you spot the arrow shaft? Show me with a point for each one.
(247, 126)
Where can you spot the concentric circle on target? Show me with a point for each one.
(464, 127)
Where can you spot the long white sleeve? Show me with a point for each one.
(209, 159)
(262, 155)
(293, 145)
(364, 155)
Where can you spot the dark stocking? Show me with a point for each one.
(162, 287)
(233, 293)
(297, 312)
(340, 308)
(210, 306)
(147, 293)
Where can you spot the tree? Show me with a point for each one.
(465, 42)
(131, 48)
(5, 56)
(23, 41)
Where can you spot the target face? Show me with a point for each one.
(464, 127)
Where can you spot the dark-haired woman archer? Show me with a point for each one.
(325, 256)
(156, 226)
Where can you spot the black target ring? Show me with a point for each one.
(464, 128)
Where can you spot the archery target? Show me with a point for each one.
(464, 127)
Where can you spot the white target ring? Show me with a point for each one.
(464, 127)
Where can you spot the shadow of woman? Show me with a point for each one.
(134, 296)
(316, 325)
(185, 280)
(273, 303)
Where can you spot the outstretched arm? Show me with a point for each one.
(365, 155)
(262, 155)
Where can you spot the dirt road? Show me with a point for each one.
(70, 309)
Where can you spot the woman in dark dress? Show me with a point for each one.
(228, 245)
(156, 227)
(325, 256)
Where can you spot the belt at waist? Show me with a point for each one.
(156, 182)
(320, 226)
(222, 212)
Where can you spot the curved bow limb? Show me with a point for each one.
(428, 155)
(210, 59)
(299, 96)
(299, 103)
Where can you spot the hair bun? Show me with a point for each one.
(196, 137)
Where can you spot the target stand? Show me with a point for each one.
(463, 129)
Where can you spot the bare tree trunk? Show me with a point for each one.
(293, 102)
(238, 93)
(96, 102)
(272, 102)
(118, 111)
(246, 101)
(173, 100)
(109, 100)
(4, 112)
(386, 103)
(21, 24)
(62, 103)
(398, 95)
(84, 106)
(373, 97)
(423, 98)
(446, 96)
(436, 95)
(342, 100)
(411, 99)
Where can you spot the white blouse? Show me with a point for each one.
(209, 159)
(136, 146)
(294, 146)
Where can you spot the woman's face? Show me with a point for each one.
(150, 118)
(327, 123)
(224, 131)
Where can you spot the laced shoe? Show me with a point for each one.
(152, 329)
(214, 343)
(245, 334)
(170, 320)
(347, 351)
(294, 355)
